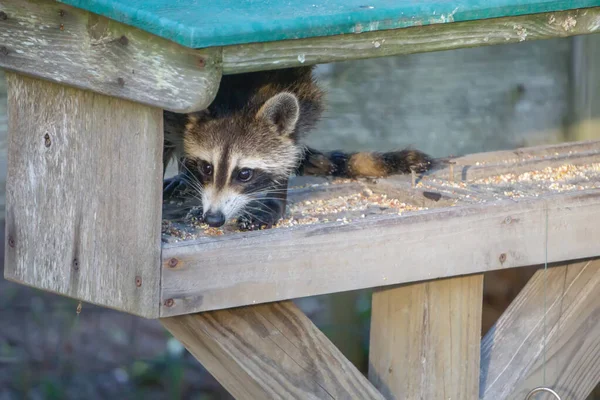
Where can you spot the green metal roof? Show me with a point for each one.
(207, 23)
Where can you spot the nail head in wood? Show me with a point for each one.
(169, 303)
(173, 262)
(76, 264)
(138, 281)
(11, 241)
(502, 258)
(201, 62)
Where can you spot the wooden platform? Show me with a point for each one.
(487, 211)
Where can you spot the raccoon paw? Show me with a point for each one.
(254, 224)
(175, 187)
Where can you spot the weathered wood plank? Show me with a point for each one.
(54, 41)
(233, 270)
(218, 23)
(290, 53)
(512, 352)
(425, 339)
(270, 351)
(83, 202)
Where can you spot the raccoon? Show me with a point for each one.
(239, 153)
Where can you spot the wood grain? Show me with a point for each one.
(425, 339)
(54, 41)
(326, 258)
(270, 351)
(290, 53)
(512, 353)
(83, 201)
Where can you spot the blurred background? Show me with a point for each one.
(446, 103)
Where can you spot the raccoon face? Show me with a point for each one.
(238, 159)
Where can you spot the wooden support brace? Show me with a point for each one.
(269, 351)
(83, 195)
(425, 339)
(512, 352)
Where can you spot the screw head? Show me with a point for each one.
(169, 303)
(173, 262)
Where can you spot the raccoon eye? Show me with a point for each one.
(245, 175)
(206, 168)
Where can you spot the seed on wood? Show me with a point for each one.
(47, 141)
(62, 27)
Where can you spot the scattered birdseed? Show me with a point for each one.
(365, 203)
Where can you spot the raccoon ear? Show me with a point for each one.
(282, 112)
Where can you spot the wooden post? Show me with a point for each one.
(425, 339)
(552, 331)
(585, 89)
(83, 195)
(269, 351)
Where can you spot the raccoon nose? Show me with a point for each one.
(214, 218)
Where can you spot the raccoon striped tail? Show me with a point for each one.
(364, 164)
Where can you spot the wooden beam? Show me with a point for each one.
(54, 41)
(436, 37)
(425, 339)
(554, 319)
(270, 351)
(83, 202)
(315, 259)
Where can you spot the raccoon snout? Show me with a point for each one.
(214, 219)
